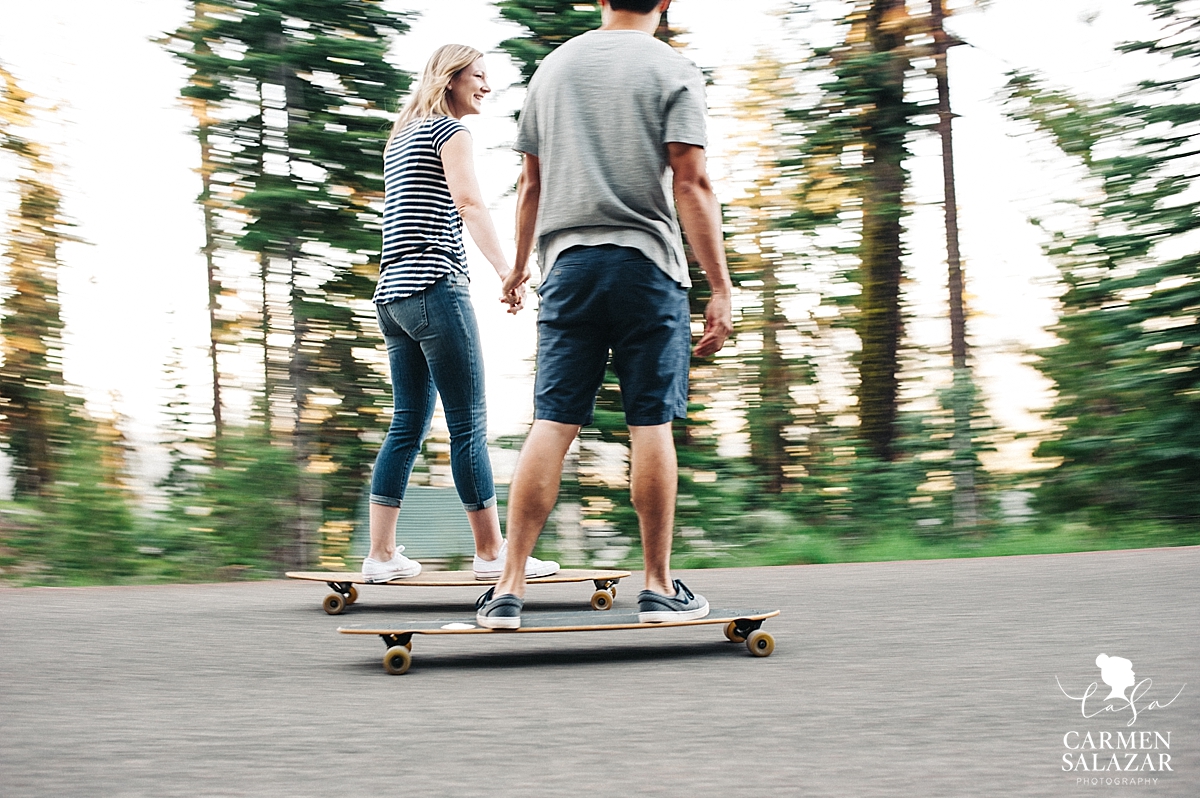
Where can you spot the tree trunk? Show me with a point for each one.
(880, 252)
(200, 111)
(966, 514)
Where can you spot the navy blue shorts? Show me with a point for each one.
(610, 298)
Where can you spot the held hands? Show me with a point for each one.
(512, 290)
(718, 324)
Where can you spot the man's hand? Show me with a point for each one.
(718, 324)
(529, 190)
(700, 214)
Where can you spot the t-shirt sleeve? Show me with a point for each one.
(527, 134)
(443, 130)
(685, 116)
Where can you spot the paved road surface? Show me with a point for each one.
(888, 679)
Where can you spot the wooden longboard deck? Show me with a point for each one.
(557, 622)
(741, 626)
(454, 578)
(342, 583)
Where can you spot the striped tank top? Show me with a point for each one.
(422, 230)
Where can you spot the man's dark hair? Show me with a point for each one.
(636, 6)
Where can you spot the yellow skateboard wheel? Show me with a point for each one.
(602, 600)
(731, 633)
(760, 643)
(334, 604)
(352, 596)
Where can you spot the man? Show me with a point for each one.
(613, 125)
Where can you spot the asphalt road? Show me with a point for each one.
(891, 679)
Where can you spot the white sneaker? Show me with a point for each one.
(491, 569)
(396, 568)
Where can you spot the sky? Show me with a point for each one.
(134, 288)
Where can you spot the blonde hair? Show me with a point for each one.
(429, 98)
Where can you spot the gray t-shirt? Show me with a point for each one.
(599, 113)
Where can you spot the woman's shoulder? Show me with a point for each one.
(442, 129)
(425, 131)
(444, 123)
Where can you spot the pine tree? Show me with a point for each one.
(304, 91)
(765, 271)
(68, 468)
(853, 162)
(1128, 368)
(548, 23)
(35, 407)
(962, 396)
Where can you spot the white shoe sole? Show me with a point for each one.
(498, 622)
(545, 570)
(376, 579)
(663, 616)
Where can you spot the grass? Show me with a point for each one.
(814, 547)
(161, 554)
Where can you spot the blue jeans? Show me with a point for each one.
(433, 348)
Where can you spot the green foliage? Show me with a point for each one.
(298, 96)
(851, 154)
(800, 545)
(1127, 368)
(79, 528)
(548, 23)
(241, 502)
(33, 402)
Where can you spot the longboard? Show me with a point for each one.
(740, 626)
(345, 593)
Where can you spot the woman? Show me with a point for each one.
(424, 308)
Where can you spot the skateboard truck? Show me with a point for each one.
(397, 658)
(344, 594)
(605, 595)
(746, 630)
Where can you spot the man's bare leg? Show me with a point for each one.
(532, 495)
(653, 484)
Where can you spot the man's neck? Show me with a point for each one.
(628, 20)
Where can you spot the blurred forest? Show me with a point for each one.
(291, 102)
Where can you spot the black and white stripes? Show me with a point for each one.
(422, 230)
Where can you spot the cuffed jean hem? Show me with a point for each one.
(386, 501)
(483, 505)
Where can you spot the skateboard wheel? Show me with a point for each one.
(351, 595)
(760, 643)
(613, 590)
(731, 633)
(602, 600)
(397, 659)
(334, 604)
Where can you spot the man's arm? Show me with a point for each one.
(700, 215)
(529, 194)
